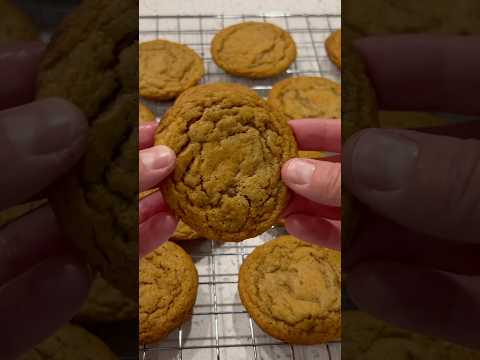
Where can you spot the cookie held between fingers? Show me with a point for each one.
(145, 115)
(333, 46)
(167, 69)
(253, 50)
(307, 97)
(230, 148)
(167, 293)
(292, 290)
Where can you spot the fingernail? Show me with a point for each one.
(299, 172)
(157, 157)
(383, 160)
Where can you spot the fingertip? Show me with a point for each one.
(314, 230)
(155, 231)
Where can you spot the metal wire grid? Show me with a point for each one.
(220, 327)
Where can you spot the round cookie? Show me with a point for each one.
(167, 291)
(106, 304)
(230, 147)
(145, 115)
(292, 290)
(15, 24)
(333, 46)
(307, 97)
(89, 62)
(70, 343)
(253, 50)
(167, 69)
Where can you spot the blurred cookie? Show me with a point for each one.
(409, 120)
(145, 115)
(227, 184)
(167, 69)
(15, 25)
(292, 290)
(307, 97)
(167, 293)
(11, 214)
(253, 50)
(333, 46)
(311, 154)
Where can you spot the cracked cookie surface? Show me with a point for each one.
(167, 292)
(292, 290)
(307, 97)
(230, 147)
(167, 69)
(333, 47)
(70, 343)
(253, 50)
(89, 62)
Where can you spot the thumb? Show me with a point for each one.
(428, 183)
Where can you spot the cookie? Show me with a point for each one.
(167, 69)
(11, 214)
(15, 25)
(253, 50)
(230, 147)
(106, 304)
(307, 97)
(311, 154)
(71, 343)
(184, 232)
(167, 293)
(145, 115)
(89, 62)
(333, 46)
(292, 290)
(409, 120)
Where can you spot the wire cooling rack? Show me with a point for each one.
(220, 328)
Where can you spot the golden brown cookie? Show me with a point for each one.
(89, 62)
(167, 293)
(307, 97)
(254, 50)
(106, 304)
(167, 69)
(333, 46)
(292, 290)
(184, 232)
(145, 115)
(15, 25)
(71, 343)
(230, 147)
(311, 154)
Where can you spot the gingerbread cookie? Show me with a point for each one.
(307, 97)
(15, 25)
(333, 46)
(167, 69)
(230, 148)
(292, 290)
(168, 290)
(253, 50)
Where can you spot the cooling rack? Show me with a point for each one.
(220, 328)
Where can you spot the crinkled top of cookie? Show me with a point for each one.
(92, 61)
(167, 69)
(307, 97)
(230, 148)
(253, 49)
(293, 289)
(167, 293)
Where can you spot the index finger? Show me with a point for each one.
(318, 134)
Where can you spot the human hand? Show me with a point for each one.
(313, 213)
(156, 223)
(42, 284)
(414, 261)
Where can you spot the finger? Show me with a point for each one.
(155, 164)
(439, 304)
(440, 77)
(315, 230)
(425, 182)
(318, 134)
(28, 241)
(319, 181)
(151, 205)
(145, 136)
(300, 205)
(38, 302)
(39, 142)
(155, 231)
(19, 64)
